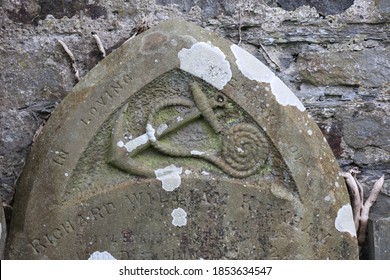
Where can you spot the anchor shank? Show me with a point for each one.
(179, 122)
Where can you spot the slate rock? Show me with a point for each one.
(379, 239)
(383, 6)
(325, 7)
(345, 67)
(367, 130)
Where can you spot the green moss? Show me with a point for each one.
(232, 120)
(266, 169)
(234, 115)
(230, 106)
(165, 115)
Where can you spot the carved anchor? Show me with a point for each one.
(242, 143)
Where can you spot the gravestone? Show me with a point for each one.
(181, 145)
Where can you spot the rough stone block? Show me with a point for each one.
(379, 239)
(325, 7)
(345, 68)
(383, 6)
(181, 145)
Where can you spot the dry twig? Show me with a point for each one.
(355, 195)
(269, 58)
(361, 210)
(38, 132)
(240, 25)
(140, 27)
(99, 44)
(366, 209)
(71, 56)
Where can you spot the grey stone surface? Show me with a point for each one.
(209, 8)
(346, 68)
(367, 131)
(379, 242)
(383, 5)
(207, 154)
(326, 7)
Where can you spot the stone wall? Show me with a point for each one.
(333, 54)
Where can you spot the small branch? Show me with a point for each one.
(361, 191)
(38, 132)
(73, 61)
(361, 210)
(141, 27)
(67, 50)
(366, 209)
(99, 45)
(76, 72)
(355, 196)
(355, 171)
(240, 26)
(269, 58)
(133, 36)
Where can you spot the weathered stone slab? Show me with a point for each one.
(181, 145)
(379, 239)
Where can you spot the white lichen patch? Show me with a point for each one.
(310, 132)
(251, 67)
(101, 256)
(344, 220)
(205, 173)
(161, 128)
(284, 95)
(169, 177)
(179, 217)
(330, 198)
(197, 153)
(150, 133)
(254, 69)
(206, 62)
(187, 172)
(136, 142)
